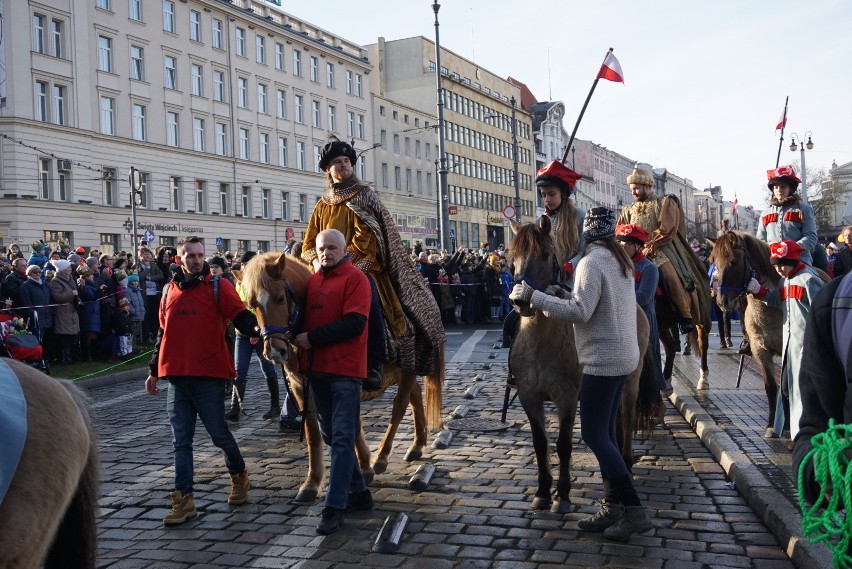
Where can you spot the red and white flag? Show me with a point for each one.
(734, 207)
(782, 122)
(611, 69)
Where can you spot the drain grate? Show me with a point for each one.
(477, 424)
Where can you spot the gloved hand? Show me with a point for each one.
(753, 286)
(569, 269)
(521, 292)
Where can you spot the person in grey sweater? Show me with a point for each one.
(602, 309)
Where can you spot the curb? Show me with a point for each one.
(774, 510)
(116, 378)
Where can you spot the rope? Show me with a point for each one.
(113, 367)
(831, 457)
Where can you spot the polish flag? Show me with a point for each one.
(783, 121)
(734, 207)
(611, 69)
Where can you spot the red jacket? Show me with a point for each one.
(331, 295)
(193, 326)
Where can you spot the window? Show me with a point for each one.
(315, 114)
(38, 33)
(197, 80)
(262, 106)
(317, 154)
(105, 54)
(221, 139)
(297, 63)
(283, 159)
(174, 192)
(195, 25)
(245, 198)
(429, 186)
(169, 16)
(285, 206)
(362, 169)
(109, 187)
(172, 129)
(361, 126)
(350, 124)
(137, 63)
(170, 66)
(314, 69)
(385, 180)
(224, 195)
(241, 42)
(408, 187)
(260, 48)
(217, 33)
(359, 90)
(263, 147)
(396, 143)
(59, 104)
(329, 74)
(332, 118)
(417, 149)
(41, 101)
(104, 4)
(300, 112)
(244, 143)
(303, 207)
(419, 182)
(199, 196)
(107, 115)
(44, 178)
(349, 83)
(397, 178)
(56, 38)
(300, 155)
(279, 56)
(138, 117)
(135, 9)
(281, 104)
(407, 146)
(218, 85)
(264, 203)
(198, 134)
(242, 92)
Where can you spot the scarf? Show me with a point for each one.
(789, 200)
(340, 192)
(185, 280)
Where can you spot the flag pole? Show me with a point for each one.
(783, 125)
(583, 110)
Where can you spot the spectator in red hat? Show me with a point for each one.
(795, 294)
(80, 251)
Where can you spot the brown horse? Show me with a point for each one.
(275, 286)
(49, 512)
(739, 257)
(699, 340)
(543, 360)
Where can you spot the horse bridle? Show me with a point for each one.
(288, 331)
(752, 273)
(554, 277)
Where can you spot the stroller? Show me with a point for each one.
(19, 343)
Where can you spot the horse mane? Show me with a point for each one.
(758, 251)
(531, 241)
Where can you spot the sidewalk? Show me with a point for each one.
(730, 423)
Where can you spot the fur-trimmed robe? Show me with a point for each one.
(376, 248)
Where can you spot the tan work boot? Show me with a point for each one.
(239, 488)
(183, 508)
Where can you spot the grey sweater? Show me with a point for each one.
(603, 310)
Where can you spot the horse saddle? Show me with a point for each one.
(13, 425)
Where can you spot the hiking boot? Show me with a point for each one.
(745, 348)
(608, 515)
(233, 414)
(359, 501)
(183, 508)
(728, 341)
(634, 520)
(373, 381)
(239, 488)
(686, 326)
(274, 411)
(289, 426)
(331, 520)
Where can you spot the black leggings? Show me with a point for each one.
(599, 399)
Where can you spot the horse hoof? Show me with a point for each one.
(413, 454)
(380, 466)
(770, 433)
(305, 496)
(369, 476)
(561, 507)
(703, 384)
(539, 503)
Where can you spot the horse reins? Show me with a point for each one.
(752, 274)
(289, 330)
(554, 277)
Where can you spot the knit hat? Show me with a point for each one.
(632, 233)
(74, 259)
(219, 262)
(33, 269)
(84, 271)
(641, 177)
(132, 278)
(247, 256)
(334, 149)
(91, 262)
(557, 174)
(785, 252)
(61, 264)
(599, 224)
(783, 175)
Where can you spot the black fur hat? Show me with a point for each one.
(334, 149)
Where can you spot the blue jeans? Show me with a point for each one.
(243, 352)
(202, 397)
(338, 404)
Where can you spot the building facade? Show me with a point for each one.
(223, 107)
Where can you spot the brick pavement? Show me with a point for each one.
(475, 513)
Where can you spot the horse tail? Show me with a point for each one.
(75, 542)
(434, 384)
(648, 396)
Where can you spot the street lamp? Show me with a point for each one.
(795, 143)
(513, 102)
(443, 202)
(135, 179)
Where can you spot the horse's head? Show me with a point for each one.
(273, 299)
(531, 258)
(734, 269)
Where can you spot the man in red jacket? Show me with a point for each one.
(192, 355)
(335, 354)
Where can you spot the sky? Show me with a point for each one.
(705, 82)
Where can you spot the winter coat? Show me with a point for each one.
(793, 220)
(90, 312)
(11, 287)
(65, 319)
(35, 294)
(137, 303)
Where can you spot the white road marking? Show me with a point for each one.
(466, 349)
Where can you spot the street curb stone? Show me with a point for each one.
(116, 378)
(783, 520)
